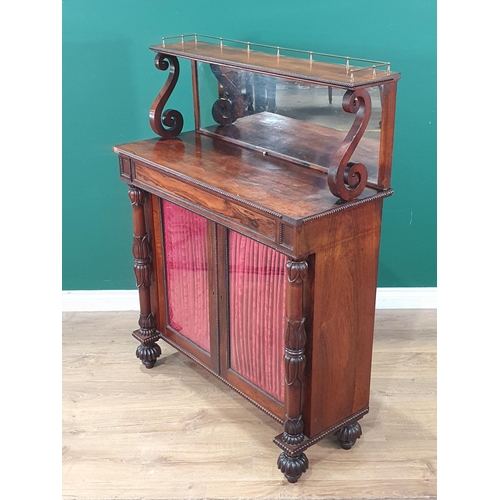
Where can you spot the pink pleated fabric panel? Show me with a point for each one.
(185, 237)
(257, 280)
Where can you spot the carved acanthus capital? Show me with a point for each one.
(296, 271)
(292, 431)
(295, 359)
(142, 263)
(147, 325)
(137, 196)
(140, 247)
(295, 336)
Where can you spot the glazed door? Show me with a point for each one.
(189, 287)
(225, 303)
(254, 320)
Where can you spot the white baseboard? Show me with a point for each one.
(100, 300)
(406, 298)
(128, 300)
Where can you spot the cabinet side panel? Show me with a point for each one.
(185, 237)
(257, 282)
(345, 284)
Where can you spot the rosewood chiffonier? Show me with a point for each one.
(256, 235)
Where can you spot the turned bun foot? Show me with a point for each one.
(348, 435)
(292, 467)
(148, 354)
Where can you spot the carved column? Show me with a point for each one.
(148, 351)
(293, 462)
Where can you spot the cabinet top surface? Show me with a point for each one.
(341, 71)
(265, 182)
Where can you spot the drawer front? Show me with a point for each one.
(231, 213)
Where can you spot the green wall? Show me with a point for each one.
(109, 83)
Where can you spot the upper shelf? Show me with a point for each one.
(338, 71)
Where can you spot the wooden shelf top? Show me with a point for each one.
(341, 72)
(249, 176)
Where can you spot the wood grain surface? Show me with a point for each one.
(340, 346)
(176, 432)
(194, 161)
(305, 143)
(294, 67)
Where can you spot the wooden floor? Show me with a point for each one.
(176, 432)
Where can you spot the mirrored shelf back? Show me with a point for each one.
(322, 111)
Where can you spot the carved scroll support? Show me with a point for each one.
(148, 351)
(293, 462)
(230, 104)
(168, 123)
(346, 179)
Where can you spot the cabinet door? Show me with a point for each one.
(256, 280)
(222, 285)
(188, 243)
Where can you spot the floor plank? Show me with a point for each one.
(176, 432)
